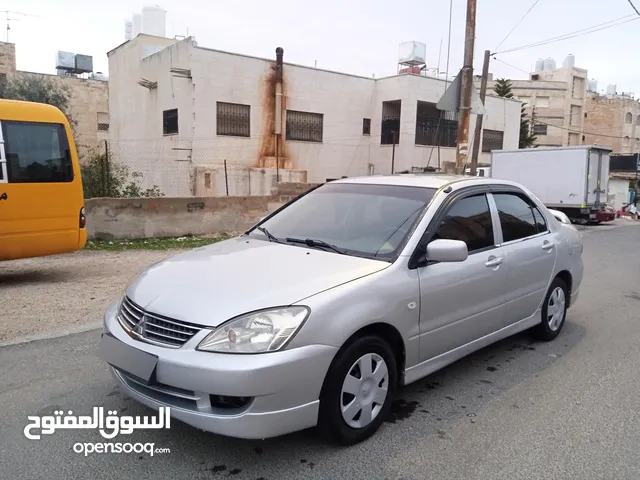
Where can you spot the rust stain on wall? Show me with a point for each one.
(267, 152)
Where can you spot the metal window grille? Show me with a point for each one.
(435, 127)
(170, 121)
(390, 122)
(492, 140)
(233, 119)
(103, 127)
(540, 129)
(304, 126)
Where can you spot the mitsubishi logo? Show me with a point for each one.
(139, 328)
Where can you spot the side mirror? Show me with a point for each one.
(447, 251)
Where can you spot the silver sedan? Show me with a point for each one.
(316, 315)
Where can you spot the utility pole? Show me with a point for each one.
(462, 138)
(9, 19)
(479, 118)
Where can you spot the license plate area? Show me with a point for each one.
(139, 364)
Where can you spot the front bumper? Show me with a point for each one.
(283, 387)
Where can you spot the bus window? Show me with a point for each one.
(36, 152)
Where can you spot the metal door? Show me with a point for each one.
(594, 178)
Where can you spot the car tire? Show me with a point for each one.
(554, 311)
(335, 396)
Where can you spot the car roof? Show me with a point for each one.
(434, 180)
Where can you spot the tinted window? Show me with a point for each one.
(516, 216)
(36, 152)
(541, 223)
(368, 220)
(469, 220)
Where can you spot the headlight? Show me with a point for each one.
(258, 332)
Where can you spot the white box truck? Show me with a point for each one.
(571, 179)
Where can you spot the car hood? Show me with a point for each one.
(212, 284)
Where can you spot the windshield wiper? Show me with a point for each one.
(268, 234)
(311, 242)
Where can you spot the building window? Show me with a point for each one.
(638, 120)
(304, 126)
(574, 115)
(625, 142)
(628, 118)
(366, 126)
(233, 119)
(540, 129)
(170, 122)
(435, 127)
(390, 122)
(103, 122)
(492, 140)
(542, 102)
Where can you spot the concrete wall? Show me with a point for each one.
(125, 218)
(344, 100)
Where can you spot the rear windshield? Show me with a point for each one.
(36, 152)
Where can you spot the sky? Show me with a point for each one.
(352, 36)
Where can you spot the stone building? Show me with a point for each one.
(612, 121)
(89, 103)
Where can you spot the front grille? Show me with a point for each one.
(152, 328)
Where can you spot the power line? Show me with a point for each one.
(516, 25)
(577, 33)
(538, 122)
(633, 6)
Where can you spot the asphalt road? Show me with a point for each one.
(515, 410)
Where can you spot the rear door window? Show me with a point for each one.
(36, 152)
(468, 220)
(516, 216)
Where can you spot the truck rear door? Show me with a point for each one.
(594, 172)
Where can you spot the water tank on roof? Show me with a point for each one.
(136, 21)
(593, 85)
(412, 53)
(549, 64)
(539, 65)
(154, 21)
(128, 30)
(569, 61)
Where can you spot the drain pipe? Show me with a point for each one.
(278, 112)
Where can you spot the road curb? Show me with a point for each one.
(53, 334)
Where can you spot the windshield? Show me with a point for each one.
(360, 219)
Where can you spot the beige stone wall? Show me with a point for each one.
(616, 117)
(7, 58)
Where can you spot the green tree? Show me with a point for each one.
(502, 88)
(527, 137)
(38, 88)
(109, 178)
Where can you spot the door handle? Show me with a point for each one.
(3, 196)
(494, 261)
(547, 246)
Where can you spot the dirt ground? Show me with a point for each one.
(61, 292)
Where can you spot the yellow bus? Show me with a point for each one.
(41, 199)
